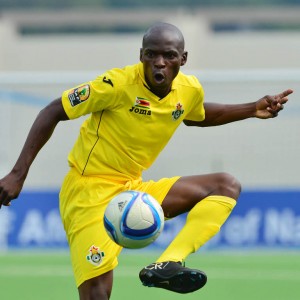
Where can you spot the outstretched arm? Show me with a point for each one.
(264, 108)
(40, 132)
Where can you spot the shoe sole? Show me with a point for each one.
(186, 281)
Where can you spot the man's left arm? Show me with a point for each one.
(264, 108)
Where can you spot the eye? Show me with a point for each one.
(149, 54)
(170, 55)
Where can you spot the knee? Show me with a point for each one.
(97, 294)
(97, 288)
(94, 293)
(228, 185)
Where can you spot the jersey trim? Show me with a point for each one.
(98, 137)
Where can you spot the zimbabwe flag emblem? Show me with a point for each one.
(142, 103)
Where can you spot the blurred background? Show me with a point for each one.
(239, 50)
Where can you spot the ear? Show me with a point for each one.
(141, 54)
(184, 58)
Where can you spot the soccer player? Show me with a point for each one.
(134, 111)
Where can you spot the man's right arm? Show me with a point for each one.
(40, 132)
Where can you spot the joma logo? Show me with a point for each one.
(140, 111)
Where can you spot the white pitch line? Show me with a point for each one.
(216, 273)
(41, 271)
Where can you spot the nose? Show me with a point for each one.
(159, 62)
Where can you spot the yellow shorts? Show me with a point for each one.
(82, 204)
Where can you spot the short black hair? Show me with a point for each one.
(159, 27)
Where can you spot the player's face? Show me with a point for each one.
(162, 57)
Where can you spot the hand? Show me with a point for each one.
(270, 106)
(10, 188)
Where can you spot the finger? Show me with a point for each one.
(1, 198)
(273, 112)
(279, 106)
(274, 104)
(285, 93)
(7, 202)
(283, 100)
(4, 199)
(277, 99)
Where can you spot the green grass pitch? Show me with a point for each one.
(231, 276)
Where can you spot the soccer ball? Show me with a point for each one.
(133, 219)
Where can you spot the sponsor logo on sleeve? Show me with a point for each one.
(79, 95)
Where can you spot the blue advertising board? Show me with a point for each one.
(267, 219)
(33, 220)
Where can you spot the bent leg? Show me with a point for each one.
(97, 288)
(210, 200)
(189, 190)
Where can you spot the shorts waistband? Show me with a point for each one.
(128, 183)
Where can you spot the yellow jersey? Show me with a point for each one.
(128, 125)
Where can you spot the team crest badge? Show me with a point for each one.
(79, 95)
(95, 256)
(177, 112)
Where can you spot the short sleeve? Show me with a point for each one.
(197, 113)
(89, 97)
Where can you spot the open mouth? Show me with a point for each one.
(159, 77)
